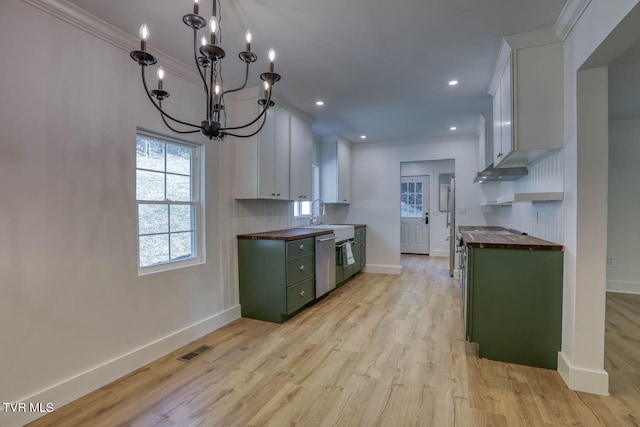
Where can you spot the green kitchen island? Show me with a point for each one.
(514, 298)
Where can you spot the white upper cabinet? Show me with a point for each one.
(335, 170)
(485, 142)
(300, 180)
(262, 161)
(527, 89)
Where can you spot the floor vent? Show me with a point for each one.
(193, 354)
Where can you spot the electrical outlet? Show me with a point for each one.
(610, 260)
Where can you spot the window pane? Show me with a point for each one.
(418, 187)
(178, 188)
(153, 219)
(296, 209)
(305, 208)
(182, 246)
(412, 187)
(411, 200)
(178, 159)
(419, 211)
(149, 154)
(182, 217)
(149, 185)
(154, 250)
(403, 187)
(418, 199)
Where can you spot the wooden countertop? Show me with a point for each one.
(289, 234)
(509, 241)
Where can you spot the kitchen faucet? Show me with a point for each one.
(315, 219)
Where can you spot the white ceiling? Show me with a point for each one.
(382, 67)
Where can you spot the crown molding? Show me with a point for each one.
(93, 25)
(569, 16)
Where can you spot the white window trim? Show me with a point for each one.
(197, 199)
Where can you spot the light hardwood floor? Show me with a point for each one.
(380, 351)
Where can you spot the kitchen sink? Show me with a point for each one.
(342, 232)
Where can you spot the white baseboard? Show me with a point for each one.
(439, 253)
(71, 389)
(623, 287)
(594, 381)
(383, 269)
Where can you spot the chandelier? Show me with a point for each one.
(208, 59)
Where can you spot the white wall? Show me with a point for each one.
(623, 231)
(375, 196)
(438, 230)
(582, 356)
(75, 314)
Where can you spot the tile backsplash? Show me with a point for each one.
(254, 216)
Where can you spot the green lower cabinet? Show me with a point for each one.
(277, 278)
(515, 305)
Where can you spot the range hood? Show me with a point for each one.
(492, 174)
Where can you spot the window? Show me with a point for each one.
(302, 209)
(168, 200)
(411, 193)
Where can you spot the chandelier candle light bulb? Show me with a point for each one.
(247, 37)
(208, 61)
(272, 57)
(144, 36)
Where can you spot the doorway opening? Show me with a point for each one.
(423, 218)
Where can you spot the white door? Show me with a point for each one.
(414, 215)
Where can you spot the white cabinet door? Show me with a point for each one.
(266, 157)
(502, 117)
(497, 125)
(300, 180)
(335, 171)
(281, 154)
(261, 161)
(485, 143)
(344, 172)
(506, 106)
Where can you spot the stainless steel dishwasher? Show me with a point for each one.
(325, 264)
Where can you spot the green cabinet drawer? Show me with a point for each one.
(300, 268)
(300, 247)
(300, 294)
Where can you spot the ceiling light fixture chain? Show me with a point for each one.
(208, 60)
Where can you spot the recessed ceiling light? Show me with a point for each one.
(363, 136)
(453, 82)
(319, 103)
(453, 128)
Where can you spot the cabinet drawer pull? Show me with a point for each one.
(301, 268)
(302, 293)
(301, 247)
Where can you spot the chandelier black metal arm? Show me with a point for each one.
(160, 97)
(208, 61)
(265, 106)
(176, 130)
